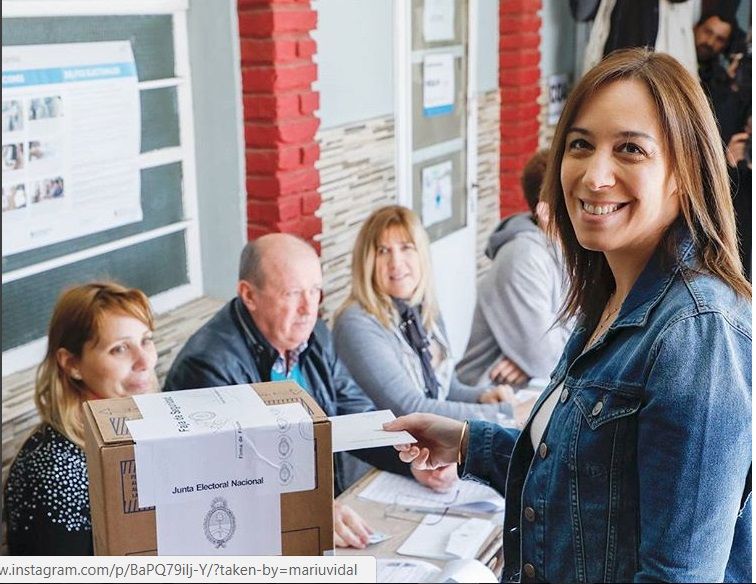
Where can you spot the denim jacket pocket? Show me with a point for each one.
(600, 405)
(600, 438)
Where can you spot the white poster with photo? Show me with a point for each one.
(438, 84)
(438, 20)
(437, 193)
(71, 131)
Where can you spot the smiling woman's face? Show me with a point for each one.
(618, 187)
(122, 361)
(397, 264)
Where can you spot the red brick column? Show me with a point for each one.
(279, 119)
(519, 82)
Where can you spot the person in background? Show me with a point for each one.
(740, 165)
(389, 331)
(714, 35)
(635, 465)
(271, 332)
(99, 345)
(515, 332)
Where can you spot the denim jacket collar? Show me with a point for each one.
(655, 280)
(647, 292)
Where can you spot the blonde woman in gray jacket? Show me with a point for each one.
(390, 334)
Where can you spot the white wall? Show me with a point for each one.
(488, 45)
(355, 60)
(219, 141)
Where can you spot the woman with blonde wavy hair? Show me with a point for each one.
(390, 333)
(99, 345)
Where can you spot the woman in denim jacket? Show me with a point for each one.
(635, 463)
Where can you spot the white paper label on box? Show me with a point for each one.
(220, 446)
(228, 524)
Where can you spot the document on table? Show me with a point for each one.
(365, 430)
(443, 537)
(466, 496)
(407, 570)
(396, 570)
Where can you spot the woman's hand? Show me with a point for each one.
(437, 440)
(441, 479)
(500, 393)
(507, 371)
(736, 149)
(349, 529)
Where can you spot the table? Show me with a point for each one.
(401, 523)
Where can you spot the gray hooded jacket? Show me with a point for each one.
(517, 306)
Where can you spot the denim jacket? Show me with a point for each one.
(643, 472)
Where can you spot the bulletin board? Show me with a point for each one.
(154, 253)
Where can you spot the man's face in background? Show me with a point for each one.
(711, 37)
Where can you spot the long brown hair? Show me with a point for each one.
(77, 319)
(696, 158)
(365, 291)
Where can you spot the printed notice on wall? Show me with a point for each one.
(558, 89)
(71, 141)
(437, 193)
(438, 20)
(438, 84)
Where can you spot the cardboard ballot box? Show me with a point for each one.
(121, 527)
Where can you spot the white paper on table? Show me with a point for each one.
(409, 570)
(401, 570)
(438, 20)
(227, 524)
(435, 537)
(365, 430)
(438, 84)
(393, 489)
(437, 193)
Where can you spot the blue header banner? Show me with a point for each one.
(29, 77)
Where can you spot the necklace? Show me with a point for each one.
(608, 315)
(599, 330)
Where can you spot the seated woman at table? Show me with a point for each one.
(390, 334)
(99, 346)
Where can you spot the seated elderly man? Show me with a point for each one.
(271, 331)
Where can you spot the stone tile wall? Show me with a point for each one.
(357, 175)
(488, 174)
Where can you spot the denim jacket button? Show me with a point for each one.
(597, 408)
(543, 450)
(565, 395)
(530, 514)
(529, 570)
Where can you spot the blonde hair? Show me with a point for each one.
(77, 319)
(365, 291)
(695, 156)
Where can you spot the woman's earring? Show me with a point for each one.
(76, 376)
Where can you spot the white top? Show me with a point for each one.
(543, 415)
